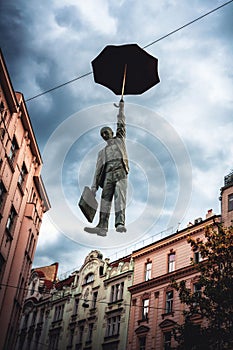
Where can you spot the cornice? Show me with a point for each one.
(175, 237)
(167, 278)
(120, 276)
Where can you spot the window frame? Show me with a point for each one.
(22, 175)
(94, 299)
(197, 258)
(90, 332)
(11, 220)
(76, 305)
(58, 312)
(3, 192)
(142, 342)
(113, 326)
(13, 150)
(145, 308)
(169, 302)
(90, 277)
(171, 263)
(148, 270)
(230, 202)
(117, 291)
(167, 342)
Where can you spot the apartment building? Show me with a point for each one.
(87, 310)
(23, 201)
(156, 306)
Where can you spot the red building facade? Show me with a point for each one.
(23, 201)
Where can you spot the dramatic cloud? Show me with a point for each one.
(179, 132)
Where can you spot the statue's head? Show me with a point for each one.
(107, 133)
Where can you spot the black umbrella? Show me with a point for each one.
(125, 69)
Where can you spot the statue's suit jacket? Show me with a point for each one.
(119, 140)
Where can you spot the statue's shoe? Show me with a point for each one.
(97, 230)
(121, 228)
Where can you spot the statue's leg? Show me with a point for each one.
(106, 202)
(120, 202)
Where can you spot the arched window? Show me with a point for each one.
(89, 278)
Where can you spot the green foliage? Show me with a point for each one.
(214, 303)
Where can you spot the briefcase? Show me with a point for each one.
(88, 204)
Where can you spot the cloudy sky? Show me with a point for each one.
(179, 135)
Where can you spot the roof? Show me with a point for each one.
(49, 273)
(67, 282)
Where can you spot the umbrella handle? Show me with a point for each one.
(123, 83)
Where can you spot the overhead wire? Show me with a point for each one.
(82, 299)
(187, 24)
(150, 44)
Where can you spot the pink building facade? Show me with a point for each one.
(155, 305)
(23, 201)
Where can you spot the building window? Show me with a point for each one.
(54, 340)
(167, 340)
(30, 242)
(90, 332)
(197, 257)
(11, 219)
(2, 194)
(42, 312)
(171, 262)
(113, 326)
(2, 262)
(13, 150)
(197, 289)
(145, 309)
(169, 301)
(230, 202)
(76, 302)
(32, 290)
(148, 268)
(34, 317)
(25, 321)
(89, 278)
(142, 342)
(80, 334)
(2, 107)
(117, 292)
(71, 338)
(59, 310)
(22, 175)
(94, 300)
(101, 270)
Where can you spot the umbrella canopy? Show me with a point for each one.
(125, 69)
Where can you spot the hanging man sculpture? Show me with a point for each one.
(111, 175)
